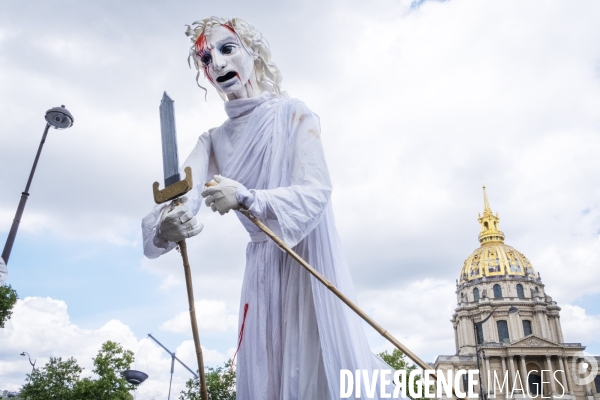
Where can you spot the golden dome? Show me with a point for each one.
(494, 258)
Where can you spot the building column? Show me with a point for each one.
(455, 326)
(536, 329)
(513, 332)
(549, 368)
(524, 374)
(511, 366)
(543, 323)
(466, 331)
(551, 328)
(561, 339)
(504, 370)
(544, 318)
(461, 333)
(564, 379)
(569, 376)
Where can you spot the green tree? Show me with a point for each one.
(53, 381)
(8, 299)
(60, 379)
(220, 384)
(397, 360)
(110, 363)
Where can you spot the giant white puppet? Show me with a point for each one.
(295, 335)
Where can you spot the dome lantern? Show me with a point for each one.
(490, 224)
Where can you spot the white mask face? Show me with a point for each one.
(226, 63)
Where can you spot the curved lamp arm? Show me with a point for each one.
(488, 317)
(28, 356)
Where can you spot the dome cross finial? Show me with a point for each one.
(490, 224)
(486, 204)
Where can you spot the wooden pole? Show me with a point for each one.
(339, 294)
(190, 292)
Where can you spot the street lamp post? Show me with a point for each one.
(477, 325)
(32, 363)
(173, 358)
(59, 118)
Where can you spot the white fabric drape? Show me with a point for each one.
(297, 335)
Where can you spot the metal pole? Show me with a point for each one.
(475, 325)
(10, 240)
(173, 355)
(172, 369)
(31, 363)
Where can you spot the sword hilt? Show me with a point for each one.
(175, 190)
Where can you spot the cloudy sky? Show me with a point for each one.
(420, 103)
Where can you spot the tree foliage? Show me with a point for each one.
(110, 363)
(220, 384)
(60, 379)
(397, 360)
(55, 380)
(8, 299)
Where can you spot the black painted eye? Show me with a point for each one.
(205, 58)
(227, 49)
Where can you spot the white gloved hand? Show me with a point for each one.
(3, 271)
(222, 197)
(178, 222)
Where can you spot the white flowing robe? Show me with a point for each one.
(297, 335)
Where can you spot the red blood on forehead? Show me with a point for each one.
(230, 29)
(202, 45)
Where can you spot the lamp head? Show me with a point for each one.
(513, 310)
(23, 353)
(134, 377)
(59, 117)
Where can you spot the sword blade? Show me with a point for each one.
(169, 140)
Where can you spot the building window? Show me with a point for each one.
(465, 383)
(503, 336)
(597, 383)
(527, 328)
(476, 294)
(479, 333)
(497, 291)
(520, 293)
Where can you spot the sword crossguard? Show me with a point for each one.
(175, 190)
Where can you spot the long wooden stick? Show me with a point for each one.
(190, 292)
(339, 294)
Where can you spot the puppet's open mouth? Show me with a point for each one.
(226, 77)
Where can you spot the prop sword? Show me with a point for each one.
(175, 188)
(335, 290)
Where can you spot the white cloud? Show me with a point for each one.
(417, 314)
(578, 326)
(42, 327)
(212, 316)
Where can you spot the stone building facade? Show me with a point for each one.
(523, 335)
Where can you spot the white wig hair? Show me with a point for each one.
(268, 75)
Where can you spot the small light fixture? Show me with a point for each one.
(513, 310)
(134, 377)
(59, 117)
